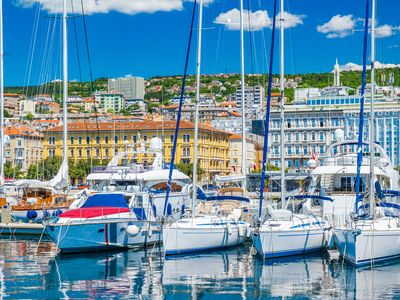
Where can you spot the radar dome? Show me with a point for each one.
(339, 135)
(155, 144)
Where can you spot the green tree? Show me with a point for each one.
(29, 116)
(188, 169)
(12, 172)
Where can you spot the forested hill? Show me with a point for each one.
(222, 85)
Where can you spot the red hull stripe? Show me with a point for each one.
(93, 212)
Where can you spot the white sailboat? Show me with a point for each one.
(372, 234)
(287, 232)
(216, 223)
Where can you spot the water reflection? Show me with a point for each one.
(235, 273)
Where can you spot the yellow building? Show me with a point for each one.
(103, 140)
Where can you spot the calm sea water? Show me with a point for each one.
(28, 271)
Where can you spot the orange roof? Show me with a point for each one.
(275, 94)
(136, 125)
(11, 95)
(235, 113)
(21, 130)
(228, 103)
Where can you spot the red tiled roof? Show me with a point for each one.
(136, 125)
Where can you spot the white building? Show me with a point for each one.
(129, 86)
(254, 99)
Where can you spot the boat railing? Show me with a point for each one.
(344, 160)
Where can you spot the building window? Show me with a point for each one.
(321, 136)
(305, 150)
(80, 140)
(313, 136)
(88, 152)
(305, 136)
(289, 150)
(72, 140)
(297, 137)
(297, 150)
(321, 150)
(106, 139)
(134, 139)
(116, 139)
(97, 140)
(321, 122)
(145, 138)
(186, 138)
(87, 140)
(106, 152)
(115, 151)
(80, 152)
(97, 152)
(72, 152)
(125, 137)
(8, 153)
(171, 138)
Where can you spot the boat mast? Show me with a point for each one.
(244, 148)
(372, 118)
(65, 81)
(2, 160)
(196, 117)
(282, 96)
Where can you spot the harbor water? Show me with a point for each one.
(32, 271)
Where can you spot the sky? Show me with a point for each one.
(149, 37)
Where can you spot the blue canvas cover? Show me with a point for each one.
(106, 200)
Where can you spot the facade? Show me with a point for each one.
(27, 106)
(25, 146)
(235, 154)
(112, 101)
(254, 98)
(105, 139)
(130, 87)
(310, 128)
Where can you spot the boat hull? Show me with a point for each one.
(202, 238)
(272, 244)
(97, 236)
(363, 247)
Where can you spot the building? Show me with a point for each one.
(105, 139)
(310, 128)
(25, 146)
(235, 154)
(110, 102)
(129, 86)
(302, 94)
(254, 98)
(47, 107)
(26, 106)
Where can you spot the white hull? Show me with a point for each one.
(364, 244)
(300, 235)
(202, 236)
(271, 244)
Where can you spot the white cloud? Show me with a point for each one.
(258, 20)
(290, 20)
(338, 26)
(104, 6)
(205, 2)
(385, 31)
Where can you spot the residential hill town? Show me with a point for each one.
(111, 115)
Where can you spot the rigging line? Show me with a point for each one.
(251, 36)
(267, 114)
(91, 77)
(361, 115)
(32, 48)
(76, 41)
(253, 55)
(178, 119)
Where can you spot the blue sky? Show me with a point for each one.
(149, 37)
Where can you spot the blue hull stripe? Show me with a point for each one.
(364, 262)
(192, 250)
(291, 252)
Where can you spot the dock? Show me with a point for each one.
(33, 229)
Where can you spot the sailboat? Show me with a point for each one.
(286, 232)
(372, 233)
(216, 222)
(36, 199)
